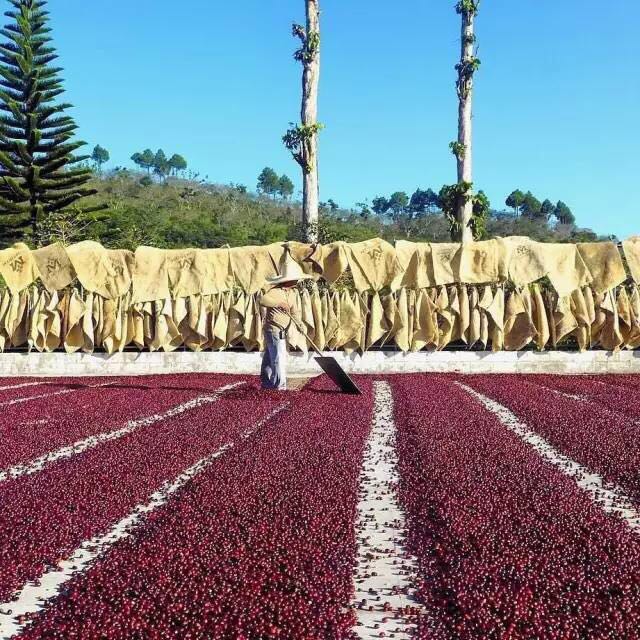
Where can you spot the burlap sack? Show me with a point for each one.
(562, 263)
(605, 264)
(350, 328)
(425, 327)
(605, 330)
(54, 267)
(251, 266)
(218, 277)
(446, 257)
(496, 320)
(519, 329)
(150, 276)
(540, 318)
(333, 260)
(374, 264)
(625, 319)
(319, 336)
(103, 272)
(416, 264)
(581, 313)
(473, 331)
(445, 317)
(187, 270)
(465, 317)
(631, 248)
(485, 303)
(18, 267)
(633, 340)
(483, 262)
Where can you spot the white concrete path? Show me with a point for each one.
(34, 596)
(383, 576)
(610, 498)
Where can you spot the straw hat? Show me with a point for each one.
(290, 271)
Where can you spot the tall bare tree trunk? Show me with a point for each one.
(309, 118)
(465, 112)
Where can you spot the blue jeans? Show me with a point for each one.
(273, 374)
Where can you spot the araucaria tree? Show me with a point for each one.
(302, 139)
(39, 175)
(463, 208)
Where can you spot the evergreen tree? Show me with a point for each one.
(100, 155)
(177, 163)
(39, 175)
(285, 187)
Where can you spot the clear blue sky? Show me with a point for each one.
(556, 111)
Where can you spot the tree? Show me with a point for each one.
(177, 163)
(39, 173)
(418, 202)
(285, 187)
(547, 209)
(380, 205)
(268, 182)
(515, 200)
(563, 213)
(398, 203)
(161, 165)
(100, 155)
(302, 139)
(463, 147)
(144, 160)
(531, 206)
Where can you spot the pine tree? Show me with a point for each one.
(39, 175)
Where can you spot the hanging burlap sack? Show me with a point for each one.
(374, 264)
(605, 264)
(54, 267)
(401, 322)
(605, 330)
(187, 270)
(580, 311)
(333, 320)
(562, 263)
(540, 318)
(623, 306)
(633, 341)
(333, 260)
(483, 262)
(631, 248)
(496, 320)
(251, 266)
(424, 329)
(350, 328)
(445, 317)
(465, 318)
(473, 331)
(416, 264)
(18, 267)
(318, 319)
(150, 275)
(221, 327)
(519, 329)
(484, 304)
(445, 257)
(105, 273)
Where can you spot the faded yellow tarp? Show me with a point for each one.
(18, 267)
(604, 263)
(631, 248)
(54, 267)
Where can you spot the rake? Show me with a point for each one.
(330, 365)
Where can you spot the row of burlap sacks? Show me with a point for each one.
(151, 274)
(431, 318)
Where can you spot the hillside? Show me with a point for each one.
(183, 213)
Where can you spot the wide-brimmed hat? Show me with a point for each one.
(290, 271)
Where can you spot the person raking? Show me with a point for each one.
(278, 304)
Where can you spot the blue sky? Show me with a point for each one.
(556, 109)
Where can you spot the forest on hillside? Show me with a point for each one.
(180, 212)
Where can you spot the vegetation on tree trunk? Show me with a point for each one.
(39, 173)
(302, 139)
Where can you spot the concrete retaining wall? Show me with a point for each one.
(132, 363)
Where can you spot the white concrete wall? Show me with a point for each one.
(79, 364)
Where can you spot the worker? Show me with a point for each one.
(277, 305)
